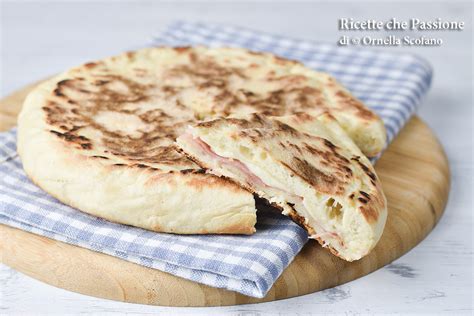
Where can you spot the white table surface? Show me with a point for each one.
(42, 38)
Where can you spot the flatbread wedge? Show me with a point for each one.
(319, 178)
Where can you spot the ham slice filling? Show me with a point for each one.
(253, 180)
(250, 177)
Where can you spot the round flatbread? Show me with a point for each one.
(100, 137)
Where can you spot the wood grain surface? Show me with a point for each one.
(415, 176)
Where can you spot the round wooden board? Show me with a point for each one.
(415, 176)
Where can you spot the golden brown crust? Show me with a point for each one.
(79, 102)
(324, 168)
(97, 88)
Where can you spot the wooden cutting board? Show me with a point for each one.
(415, 176)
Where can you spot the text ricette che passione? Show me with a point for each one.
(414, 24)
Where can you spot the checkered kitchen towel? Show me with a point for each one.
(390, 84)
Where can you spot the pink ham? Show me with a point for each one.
(251, 178)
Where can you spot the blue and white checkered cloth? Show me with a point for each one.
(390, 84)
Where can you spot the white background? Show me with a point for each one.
(41, 38)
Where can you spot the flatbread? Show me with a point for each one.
(320, 179)
(100, 137)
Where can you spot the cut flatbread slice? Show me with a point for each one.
(322, 181)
